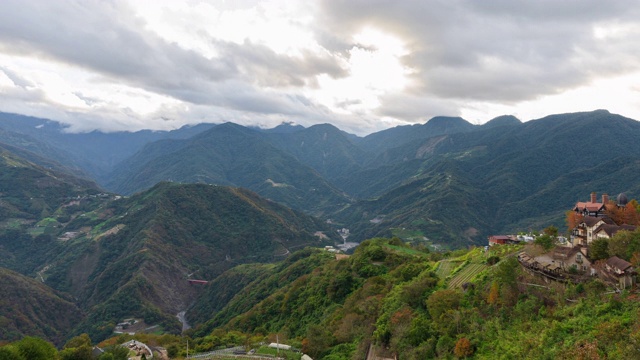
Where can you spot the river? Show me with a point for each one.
(183, 320)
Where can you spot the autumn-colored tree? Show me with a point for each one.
(441, 301)
(403, 315)
(635, 259)
(551, 231)
(631, 215)
(586, 350)
(494, 294)
(615, 213)
(463, 348)
(573, 219)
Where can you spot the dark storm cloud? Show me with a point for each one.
(501, 51)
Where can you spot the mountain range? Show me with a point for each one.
(447, 180)
(115, 225)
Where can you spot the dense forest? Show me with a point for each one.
(396, 299)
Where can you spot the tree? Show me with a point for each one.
(545, 241)
(78, 341)
(116, 353)
(624, 244)
(10, 352)
(614, 212)
(494, 293)
(631, 215)
(572, 219)
(635, 259)
(82, 352)
(551, 231)
(506, 275)
(506, 271)
(463, 348)
(599, 249)
(441, 301)
(492, 260)
(32, 348)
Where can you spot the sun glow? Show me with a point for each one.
(375, 69)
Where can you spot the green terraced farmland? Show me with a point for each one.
(466, 275)
(446, 267)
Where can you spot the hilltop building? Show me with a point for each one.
(572, 261)
(592, 207)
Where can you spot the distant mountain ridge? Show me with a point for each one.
(231, 154)
(95, 152)
(329, 173)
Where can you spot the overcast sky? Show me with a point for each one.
(360, 65)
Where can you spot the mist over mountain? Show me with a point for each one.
(95, 153)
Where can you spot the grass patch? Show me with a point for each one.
(287, 354)
(47, 221)
(405, 250)
(445, 267)
(467, 274)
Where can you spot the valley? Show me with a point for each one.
(229, 230)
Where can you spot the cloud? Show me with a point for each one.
(105, 37)
(501, 51)
(113, 64)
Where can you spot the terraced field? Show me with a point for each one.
(446, 267)
(466, 275)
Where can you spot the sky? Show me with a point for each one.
(361, 65)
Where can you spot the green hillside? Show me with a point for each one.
(94, 153)
(136, 254)
(233, 155)
(496, 179)
(32, 192)
(388, 299)
(28, 307)
(323, 147)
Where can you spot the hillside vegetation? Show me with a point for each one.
(453, 182)
(389, 296)
(28, 307)
(136, 261)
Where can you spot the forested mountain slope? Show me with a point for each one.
(396, 300)
(94, 153)
(135, 255)
(28, 307)
(231, 154)
(31, 191)
(519, 175)
(497, 174)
